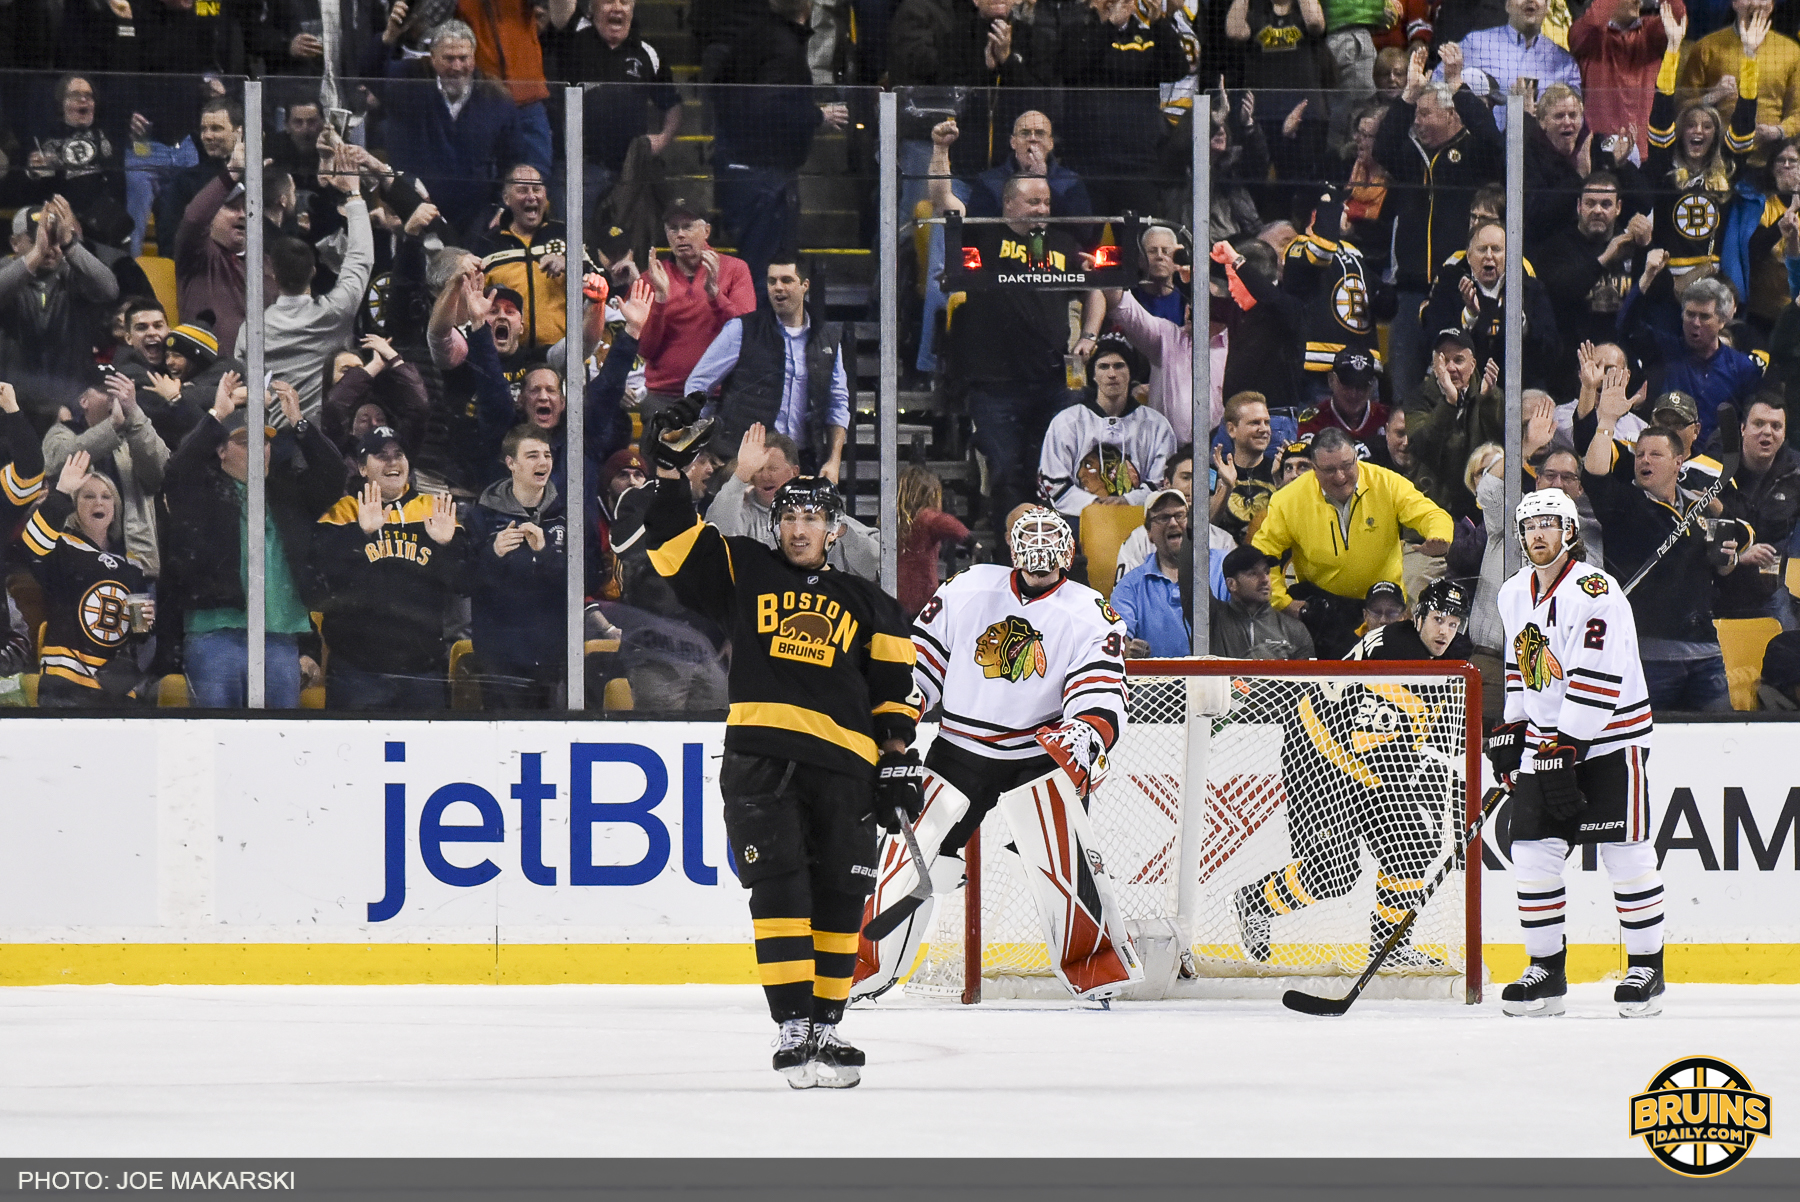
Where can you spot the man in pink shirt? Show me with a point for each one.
(694, 300)
(1619, 52)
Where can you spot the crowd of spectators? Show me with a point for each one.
(422, 361)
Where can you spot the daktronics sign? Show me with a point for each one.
(586, 810)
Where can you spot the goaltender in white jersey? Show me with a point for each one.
(1028, 669)
(1574, 748)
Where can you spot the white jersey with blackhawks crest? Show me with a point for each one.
(1572, 661)
(1003, 666)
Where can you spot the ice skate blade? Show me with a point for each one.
(1547, 1007)
(1645, 1009)
(842, 1076)
(801, 1076)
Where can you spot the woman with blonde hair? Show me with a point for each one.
(95, 598)
(922, 528)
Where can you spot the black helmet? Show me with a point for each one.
(807, 492)
(1446, 597)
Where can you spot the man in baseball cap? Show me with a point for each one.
(1243, 625)
(1353, 405)
(1385, 602)
(1679, 412)
(1149, 596)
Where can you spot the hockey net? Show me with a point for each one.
(1368, 770)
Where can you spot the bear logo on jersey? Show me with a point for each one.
(1593, 586)
(805, 636)
(1537, 663)
(1012, 649)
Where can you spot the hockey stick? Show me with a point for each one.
(1731, 440)
(1308, 1003)
(884, 923)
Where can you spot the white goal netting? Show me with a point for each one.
(1331, 799)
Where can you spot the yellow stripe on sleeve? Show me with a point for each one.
(1665, 76)
(893, 649)
(895, 707)
(40, 539)
(668, 558)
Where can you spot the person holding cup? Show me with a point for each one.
(1765, 492)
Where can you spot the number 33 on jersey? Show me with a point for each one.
(1004, 665)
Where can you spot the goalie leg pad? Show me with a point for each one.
(1090, 948)
(880, 965)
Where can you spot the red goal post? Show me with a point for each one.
(1176, 854)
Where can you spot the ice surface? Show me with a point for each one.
(684, 1071)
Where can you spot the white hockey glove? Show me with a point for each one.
(1078, 750)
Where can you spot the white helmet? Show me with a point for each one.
(1549, 502)
(1041, 541)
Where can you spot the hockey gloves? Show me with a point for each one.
(899, 785)
(1505, 748)
(674, 436)
(1078, 750)
(1554, 766)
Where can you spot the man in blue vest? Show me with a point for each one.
(780, 367)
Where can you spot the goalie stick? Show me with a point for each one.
(884, 923)
(1731, 439)
(1309, 1003)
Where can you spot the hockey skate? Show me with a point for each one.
(1407, 956)
(836, 1064)
(1253, 928)
(1639, 995)
(1540, 991)
(794, 1054)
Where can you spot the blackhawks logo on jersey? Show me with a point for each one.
(1593, 586)
(1537, 663)
(1107, 611)
(1105, 472)
(1012, 649)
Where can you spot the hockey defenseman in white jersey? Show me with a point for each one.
(1574, 747)
(1028, 667)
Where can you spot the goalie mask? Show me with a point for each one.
(1549, 502)
(1041, 542)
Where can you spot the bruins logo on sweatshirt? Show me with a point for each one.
(1013, 649)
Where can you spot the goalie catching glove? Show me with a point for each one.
(1505, 748)
(673, 437)
(899, 786)
(1554, 765)
(1078, 750)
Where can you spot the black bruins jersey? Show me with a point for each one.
(1342, 304)
(1690, 212)
(1351, 744)
(22, 476)
(821, 662)
(86, 622)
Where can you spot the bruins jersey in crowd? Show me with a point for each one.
(86, 622)
(387, 590)
(821, 661)
(22, 476)
(1342, 303)
(1690, 206)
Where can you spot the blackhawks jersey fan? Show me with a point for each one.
(1574, 746)
(1380, 762)
(1028, 667)
(1108, 446)
(821, 696)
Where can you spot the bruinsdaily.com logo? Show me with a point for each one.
(1699, 1116)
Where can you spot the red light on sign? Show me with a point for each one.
(1105, 257)
(971, 258)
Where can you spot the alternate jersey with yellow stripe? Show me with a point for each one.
(22, 477)
(1691, 204)
(1341, 309)
(1004, 664)
(85, 621)
(821, 661)
(386, 591)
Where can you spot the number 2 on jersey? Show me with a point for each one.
(1596, 634)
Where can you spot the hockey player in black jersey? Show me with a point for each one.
(1434, 633)
(1378, 759)
(822, 714)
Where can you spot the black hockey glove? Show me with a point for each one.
(899, 785)
(1505, 748)
(1554, 766)
(675, 435)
